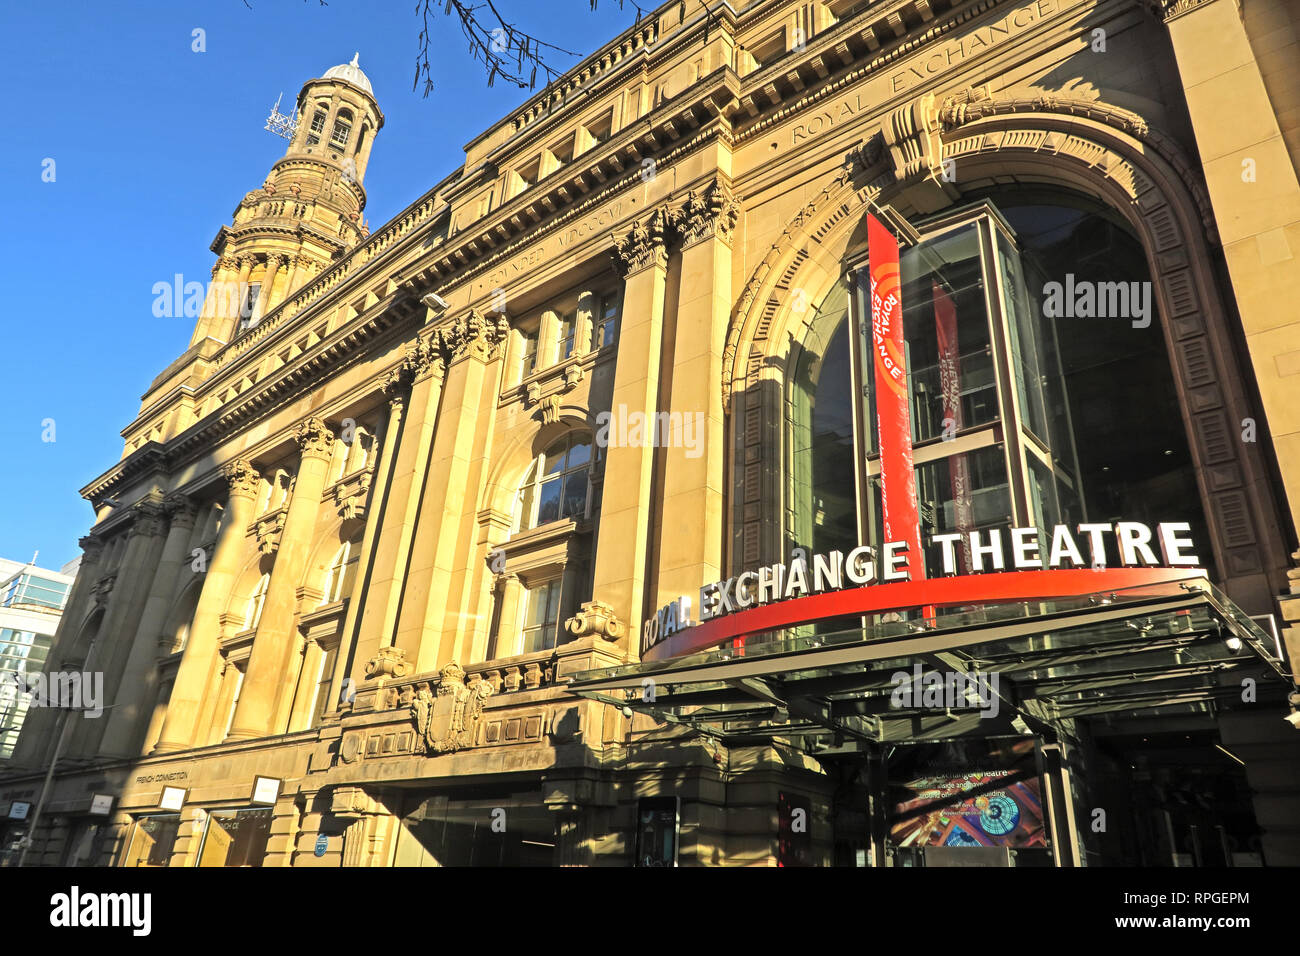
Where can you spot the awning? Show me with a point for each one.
(1171, 648)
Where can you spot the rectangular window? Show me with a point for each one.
(324, 683)
(152, 840)
(246, 317)
(318, 122)
(599, 129)
(235, 838)
(530, 353)
(604, 330)
(568, 330)
(542, 618)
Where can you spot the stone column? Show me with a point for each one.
(510, 591)
(588, 303)
(376, 504)
(127, 720)
(184, 709)
(216, 304)
(122, 615)
(424, 370)
(230, 327)
(620, 569)
(269, 672)
(273, 263)
(431, 599)
(1253, 188)
(690, 541)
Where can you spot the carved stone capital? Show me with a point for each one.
(598, 618)
(645, 244)
(315, 438)
(708, 213)
(424, 357)
(180, 510)
(472, 334)
(92, 547)
(242, 478)
(148, 517)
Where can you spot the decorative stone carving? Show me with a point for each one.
(645, 244)
(148, 518)
(102, 589)
(472, 334)
(911, 136)
(533, 394)
(710, 212)
(242, 478)
(388, 662)
(315, 438)
(92, 547)
(597, 618)
(350, 496)
(446, 723)
(180, 510)
(269, 530)
(550, 409)
(424, 357)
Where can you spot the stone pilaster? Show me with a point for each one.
(193, 677)
(620, 569)
(689, 551)
(423, 372)
(270, 673)
(125, 723)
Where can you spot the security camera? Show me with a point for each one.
(435, 302)
(1293, 719)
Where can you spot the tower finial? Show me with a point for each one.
(355, 58)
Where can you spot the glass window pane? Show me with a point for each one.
(579, 453)
(575, 495)
(548, 507)
(555, 458)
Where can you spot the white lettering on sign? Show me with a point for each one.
(1021, 549)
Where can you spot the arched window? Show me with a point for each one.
(317, 128)
(557, 485)
(341, 575)
(1020, 415)
(253, 610)
(342, 129)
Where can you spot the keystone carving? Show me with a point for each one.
(446, 723)
(314, 438)
(911, 135)
(269, 530)
(597, 618)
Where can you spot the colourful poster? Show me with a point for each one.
(893, 418)
(972, 809)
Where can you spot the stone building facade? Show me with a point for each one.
(363, 532)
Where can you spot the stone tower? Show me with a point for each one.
(307, 213)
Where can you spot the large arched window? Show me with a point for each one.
(557, 485)
(1021, 415)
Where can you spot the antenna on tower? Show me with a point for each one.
(278, 123)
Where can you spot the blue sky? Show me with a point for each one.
(153, 146)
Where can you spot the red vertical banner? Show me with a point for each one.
(945, 326)
(893, 417)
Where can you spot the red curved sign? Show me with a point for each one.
(910, 595)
